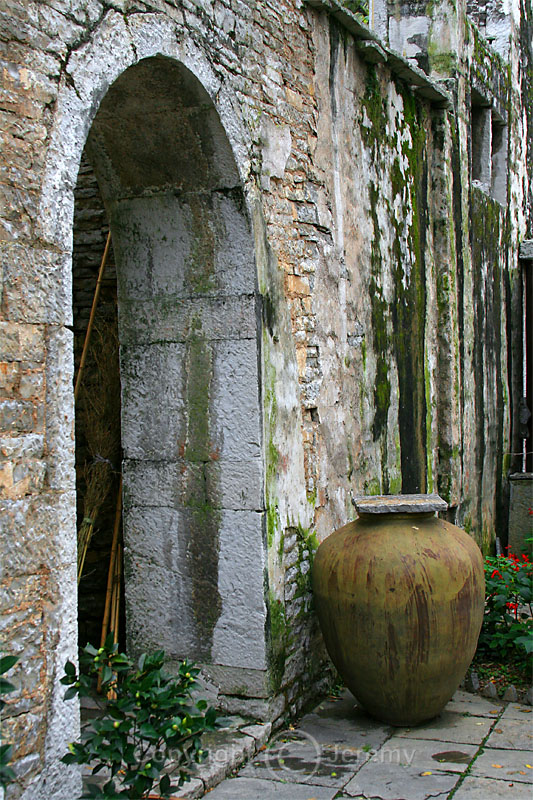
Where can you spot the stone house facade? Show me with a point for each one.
(315, 220)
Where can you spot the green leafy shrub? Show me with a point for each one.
(6, 750)
(149, 720)
(359, 8)
(507, 631)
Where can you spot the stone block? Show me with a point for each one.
(233, 485)
(23, 478)
(162, 573)
(27, 544)
(156, 535)
(60, 409)
(489, 690)
(239, 635)
(239, 484)
(37, 284)
(22, 342)
(25, 731)
(264, 710)
(20, 416)
(153, 391)
(171, 318)
(510, 695)
(235, 272)
(28, 445)
(192, 789)
(150, 482)
(235, 422)
(261, 733)
(172, 571)
(238, 680)
(158, 609)
(31, 385)
(24, 638)
(151, 241)
(471, 681)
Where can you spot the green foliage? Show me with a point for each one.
(359, 8)
(6, 750)
(148, 720)
(507, 630)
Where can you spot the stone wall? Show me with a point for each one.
(306, 194)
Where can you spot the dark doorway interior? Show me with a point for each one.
(98, 440)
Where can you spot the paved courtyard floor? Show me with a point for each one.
(477, 749)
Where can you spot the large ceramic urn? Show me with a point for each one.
(400, 598)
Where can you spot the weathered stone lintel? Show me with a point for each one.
(375, 51)
(345, 17)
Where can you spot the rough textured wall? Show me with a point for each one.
(382, 330)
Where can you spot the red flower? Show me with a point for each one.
(513, 607)
(496, 572)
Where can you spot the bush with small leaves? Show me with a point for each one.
(149, 726)
(507, 630)
(7, 774)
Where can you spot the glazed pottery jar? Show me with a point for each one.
(400, 599)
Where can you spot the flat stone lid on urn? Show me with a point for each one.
(399, 504)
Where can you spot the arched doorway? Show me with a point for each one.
(189, 346)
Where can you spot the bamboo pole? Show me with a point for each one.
(111, 571)
(91, 317)
(111, 574)
(116, 599)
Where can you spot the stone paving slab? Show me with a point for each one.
(453, 727)
(338, 751)
(488, 789)
(466, 703)
(342, 720)
(515, 711)
(389, 782)
(426, 755)
(301, 762)
(511, 734)
(509, 765)
(255, 789)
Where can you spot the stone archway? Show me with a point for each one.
(191, 423)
